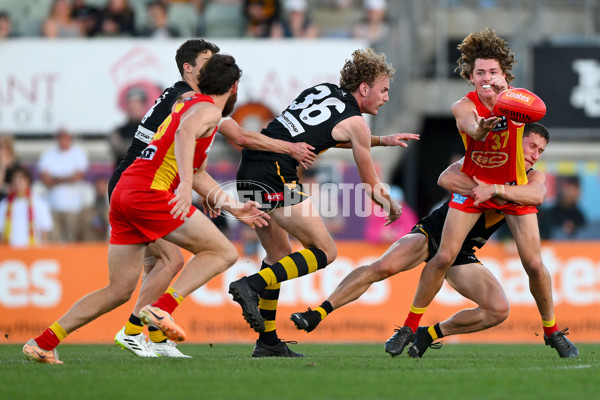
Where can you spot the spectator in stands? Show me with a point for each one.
(117, 19)
(96, 216)
(564, 218)
(296, 23)
(375, 230)
(62, 170)
(59, 23)
(135, 108)
(159, 22)
(375, 24)
(6, 30)
(87, 15)
(25, 218)
(8, 161)
(260, 16)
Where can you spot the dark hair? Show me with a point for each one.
(12, 171)
(218, 75)
(485, 44)
(536, 127)
(189, 50)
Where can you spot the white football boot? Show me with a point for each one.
(166, 349)
(134, 343)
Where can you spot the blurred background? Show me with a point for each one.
(92, 68)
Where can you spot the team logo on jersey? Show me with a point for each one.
(457, 198)
(290, 123)
(489, 159)
(148, 153)
(502, 125)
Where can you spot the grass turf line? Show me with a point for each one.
(349, 371)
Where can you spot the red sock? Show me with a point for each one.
(413, 319)
(166, 302)
(47, 340)
(549, 330)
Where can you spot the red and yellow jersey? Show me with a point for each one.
(499, 158)
(156, 167)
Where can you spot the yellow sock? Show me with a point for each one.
(58, 330)
(321, 311)
(132, 329)
(157, 336)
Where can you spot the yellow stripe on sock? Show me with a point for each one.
(174, 294)
(269, 326)
(416, 310)
(291, 269)
(268, 275)
(549, 324)
(265, 304)
(321, 311)
(156, 336)
(311, 260)
(58, 330)
(432, 332)
(132, 329)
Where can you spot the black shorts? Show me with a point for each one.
(271, 183)
(465, 256)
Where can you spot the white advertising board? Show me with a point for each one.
(81, 84)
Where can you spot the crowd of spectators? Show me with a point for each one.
(211, 18)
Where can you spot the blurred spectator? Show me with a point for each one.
(135, 108)
(375, 24)
(117, 19)
(564, 218)
(88, 16)
(375, 230)
(96, 216)
(25, 218)
(62, 169)
(6, 30)
(260, 16)
(8, 161)
(296, 23)
(59, 22)
(159, 21)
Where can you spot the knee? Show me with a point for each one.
(229, 255)
(381, 269)
(534, 267)
(176, 263)
(331, 253)
(498, 313)
(120, 294)
(444, 259)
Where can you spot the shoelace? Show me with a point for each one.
(288, 341)
(561, 335)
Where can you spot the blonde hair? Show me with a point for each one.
(485, 44)
(365, 66)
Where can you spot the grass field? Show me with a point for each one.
(329, 371)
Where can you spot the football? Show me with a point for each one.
(520, 105)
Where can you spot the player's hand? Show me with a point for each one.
(182, 201)
(212, 212)
(482, 192)
(499, 84)
(486, 124)
(399, 139)
(249, 214)
(394, 214)
(302, 152)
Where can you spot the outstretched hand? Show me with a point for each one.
(250, 215)
(394, 214)
(486, 124)
(302, 152)
(399, 139)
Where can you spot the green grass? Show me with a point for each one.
(329, 371)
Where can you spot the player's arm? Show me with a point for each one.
(218, 199)
(247, 139)
(356, 130)
(531, 194)
(197, 122)
(469, 122)
(455, 181)
(398, 139)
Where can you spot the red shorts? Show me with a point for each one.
(465, 204)
(141, 215)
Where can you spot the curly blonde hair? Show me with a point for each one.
(487, 45)
(365, 66)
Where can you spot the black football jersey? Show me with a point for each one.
(148, 127)
(310, 118)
